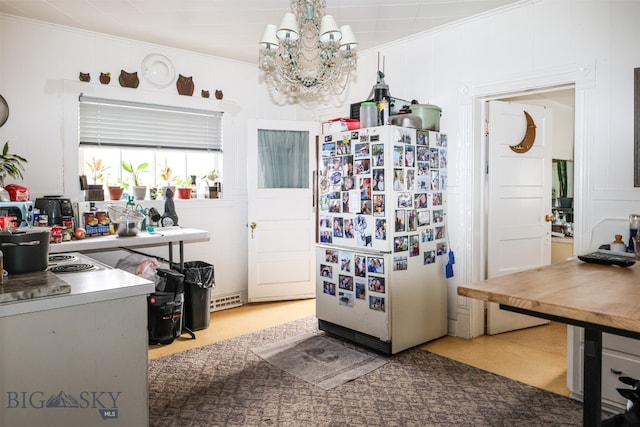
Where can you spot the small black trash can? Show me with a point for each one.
(198, 282)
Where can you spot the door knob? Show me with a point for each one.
(253, 226)
(549, 217)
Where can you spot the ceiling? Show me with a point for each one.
(232, 29)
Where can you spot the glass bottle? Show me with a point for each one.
(634, 225)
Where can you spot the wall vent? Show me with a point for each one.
(223, 303)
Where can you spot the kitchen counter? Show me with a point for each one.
(16, 287)
(76, 359)
(168, 235)
(160, 236)
(83, 288)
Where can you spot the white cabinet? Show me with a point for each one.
(79, 359)
(620, 357)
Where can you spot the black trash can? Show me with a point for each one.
(198, 282)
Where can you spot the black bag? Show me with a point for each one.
(165, 306)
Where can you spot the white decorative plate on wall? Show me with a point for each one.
(4, 110)
(158, 70)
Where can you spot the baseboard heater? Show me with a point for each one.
(222, 303)
(366, 340)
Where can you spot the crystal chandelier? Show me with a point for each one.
(308, 57)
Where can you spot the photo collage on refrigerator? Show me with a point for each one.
(383, 192)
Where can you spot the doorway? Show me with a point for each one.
(562, 207)
(514, 196)
(281, 213)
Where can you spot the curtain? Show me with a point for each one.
(283, 159)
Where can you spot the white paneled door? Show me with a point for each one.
(281, 159)
(519, 188)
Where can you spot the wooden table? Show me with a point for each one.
(595, 297)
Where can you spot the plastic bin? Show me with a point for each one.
(165, 307)
(198, 282)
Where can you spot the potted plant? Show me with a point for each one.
(98, 171)
(213, 187)
(115, 190)
(139, 190)
(166, 175)
(10, 165)
(184, 188)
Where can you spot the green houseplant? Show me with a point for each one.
(213, 187)
(11, 165)
(184, 188)
(139, 190)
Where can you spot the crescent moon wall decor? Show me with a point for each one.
(529, 136)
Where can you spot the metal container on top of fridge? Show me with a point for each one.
(382, 237)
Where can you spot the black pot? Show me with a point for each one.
(25, 250)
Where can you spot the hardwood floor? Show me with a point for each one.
(535, 356)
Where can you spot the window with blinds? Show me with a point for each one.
(185, 141)
(107, 122)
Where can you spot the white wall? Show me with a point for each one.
(530, 45)
(534, 44)
(39, 68)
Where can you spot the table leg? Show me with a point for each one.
(181, 249)
(592, 377)
(181, 254)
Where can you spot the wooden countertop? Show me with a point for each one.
(598, 294)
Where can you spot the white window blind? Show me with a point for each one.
(107, 122)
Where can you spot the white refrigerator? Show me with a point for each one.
(383, 250)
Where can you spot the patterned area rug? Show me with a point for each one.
(319, 359)
(226, 384)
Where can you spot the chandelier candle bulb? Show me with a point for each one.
(329, 30)
(289, 29)
(348, 40)
(269, 39)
